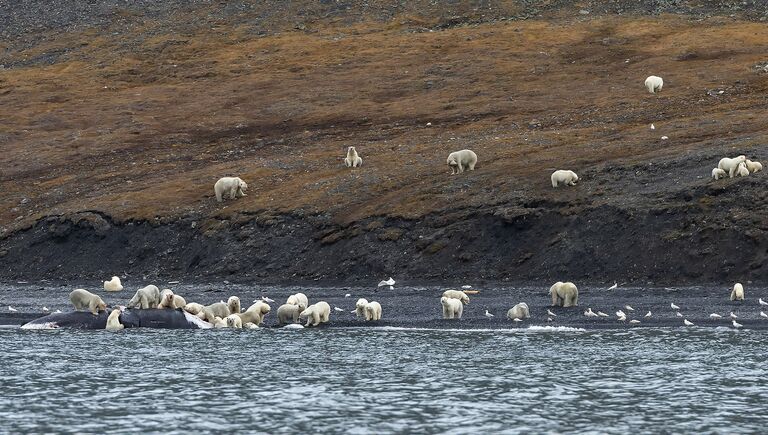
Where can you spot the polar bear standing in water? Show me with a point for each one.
(452, 308)
(233, 186)
(352, 160)
(654, 84)
(737, 294)
(731, 165)
(569, 178)
(85, 300)
(460, 161)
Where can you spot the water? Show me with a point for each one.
(384, 380)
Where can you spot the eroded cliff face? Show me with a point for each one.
(117, 122)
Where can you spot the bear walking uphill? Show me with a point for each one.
(460, 161)
(232, 186)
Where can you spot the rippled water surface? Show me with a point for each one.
(384, 380)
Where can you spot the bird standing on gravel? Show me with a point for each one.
(648, 314)
(551, 313)
(762, 302)
(341, 310)
(11, 309)
(736, 324)
(615, 284)
(687, 323)
(734, 316)
(674, 307)
(628, 308)
(590, 313)
(488, 315)
(715, 316)
(762, 314)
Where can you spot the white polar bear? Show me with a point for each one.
(218, 322)
(568, 178)
(168, 299)
(460, 161)
(737, 294)
(718, 173)
(85, 300)
(113, 285)
(564, 294)
(233, 186)
(234, 321)
(742, 170)
(219, 309)
(654, 84)
(316, 313)
(255, 313)
(289, 313)
(113, 321)
(360, 307)
(352, 160)
(753, 166)
(233, 304)
(457, 294)
(452, 308)
(145, 297)
(730, 165)
(249, 325)
(298, 299)
(193, 308)
(372, 311)
(519, 311)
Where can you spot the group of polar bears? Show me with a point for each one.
(737, 166)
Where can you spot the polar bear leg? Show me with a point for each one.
(472, 165)
(218, 192)
(460, 311)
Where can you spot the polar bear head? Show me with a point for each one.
(231, 321)
(101, 306)
(166, 297)
(361, 303)
(233, 303)
(241, 185)
(351, 151)
(452, 161)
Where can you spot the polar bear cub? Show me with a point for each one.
(654, 84)
(85, 300)
(731, 165)
(352, 160)
(113, 285)
(457, 294)
(519, 311)
(316, 313)
(460, 161)
(564, 294)
(372, 311)
(234, 321)
(561, 176)
(718, 173)
(113, 321)
(289, 313)
(742, 170)
(145, 297)
(737, 294)
(233, 186)
(753, 166)
(452, 308)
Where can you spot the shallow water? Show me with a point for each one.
(384, 380)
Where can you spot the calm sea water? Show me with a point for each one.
(384, 381)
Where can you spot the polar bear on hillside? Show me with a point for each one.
(564, 294)
(452, 308)
(731, 165)
(718, 173)
(85, 300)
(145, 297)
(654, 84)
(316, 313)
(754, 166)
(352, 160)
(372, 311)
(233, 186)
(460, 161)
(737, 294)
(742, 170)
(457, 294)
(113, 285)
(519, 311)
(561, 176)
(289, 313)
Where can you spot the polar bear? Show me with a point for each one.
(564, 294)
(113, 285)
(460, 161)
(255, 313)
(145, 297)
(457, 294)
(519, 311)
(218, 322)
(234, 321)
(737, 294)
(316, 313)
(168, 299)
(219, 309)
(452, 308)
(753, 166)
(233, 304)
(352, 160)
(718, 173)
(249, 325)
(742, 170)
(233, 186)
(372, 311)
(193, 308)
(289, 313)
(360, 307)
(730, 165)
(85, 300)
(561, 176)
(113, 321)
(298, 299)
(654, 84)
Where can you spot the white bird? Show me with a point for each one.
(674, 307)
(45, 309)
(620, 314)
(761, 301)
(634, 321)
(622, 318)
(549, 319)
(487, 314)
(615, 284)
(715, 316)
(267, 300)
(465, 287)
(762, 314)
(733, 316)
(687, 323)
(517, 320)
(57, 311)
(590, 313)
(628, 308)
(551, 313)
(602, 314)
(390, 282)
(736, 324)
(678, 314)
(341, 310)
(347, 295)
(653, 127)
(648, 314)
(664, 138)
(11, 309)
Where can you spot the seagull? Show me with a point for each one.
(551, 313)
(687, 323)
(390, 282)
(674, 307)
(762, 314)
(648, 314)
(488, 315)
(347, 295)
(621, 313)
(602, 314)
(45, 309)
(589, 313)
(678, 314)
(733, 316)
(622, 318)
(57, 311)
(267, 300)
(715, 316)
(465, 287)
(736, 325)
(517, 320)
(628, 308)
(341, 310)
(653, 127)
(762, 302)
(615, 284)
(634, 321)
(549, 319)
(11, 309)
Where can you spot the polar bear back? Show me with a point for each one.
(654, 84)
(519, 311)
